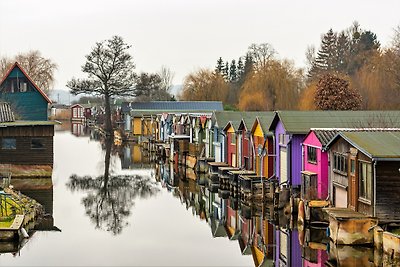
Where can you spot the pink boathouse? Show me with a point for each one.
(315, 184)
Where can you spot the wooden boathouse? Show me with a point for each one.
(26, 99)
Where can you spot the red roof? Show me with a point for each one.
(16, 65)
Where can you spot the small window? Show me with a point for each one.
(340, 163)
(233, 138)
(311, 154)
(352, 166)
(365, 180)
(23, 87)
(37, 143)
(8, 143)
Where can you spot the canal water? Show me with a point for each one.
(117, 206)
(131, 221)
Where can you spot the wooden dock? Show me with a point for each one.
(12, 232)
(348, 227)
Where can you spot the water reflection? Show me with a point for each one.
(39, 188)
(269, 237)
(110, 197)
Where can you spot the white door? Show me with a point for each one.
(283, 165)
(233, 160)
(340, 197)
(218, 153)
(239, 150)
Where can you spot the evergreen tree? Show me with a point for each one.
(233, 72)
(220, 66)
(342, 52)
(248, 67)
(240, 68)
(225, 72)
(325, 60)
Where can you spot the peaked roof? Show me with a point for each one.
(265, 120)
(248, 119)
(300, 122)
(377, 145)
(222, 118)
(6, 114)
(17, 65)
(172, 105)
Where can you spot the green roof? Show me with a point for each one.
(27, 123)
(222, 118)
(265, 119)
(300, 122)
(140, 113)
(380, 144)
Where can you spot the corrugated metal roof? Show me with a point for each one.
(145, 112)
(300, 122)
(325, 136)
(378, 144)
(6, 114)
(172, 105)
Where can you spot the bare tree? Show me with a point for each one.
(110, 197)
(261, 54)
(40, 69)
(167, 77)
(109, 67)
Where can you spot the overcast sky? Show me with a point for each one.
(183, 35)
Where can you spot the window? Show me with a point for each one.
(233, 138)
(352, 166)
(311, 154)
(365, 180)
(283, 139)
(37, 143)
(340, 163)
(8, 143)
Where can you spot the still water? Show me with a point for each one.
(115, 206)
(129, 220)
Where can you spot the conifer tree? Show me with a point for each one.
(325, 60)
(220, 66)
(240, 68)
(233, 72)
(225, 72)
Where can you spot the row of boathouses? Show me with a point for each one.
(348, 159)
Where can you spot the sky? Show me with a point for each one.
(183, 35)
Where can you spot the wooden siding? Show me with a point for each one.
(362, 206)
(27, 105)
(23, 154)
(387, 190)
(28, 131)
(336, 178)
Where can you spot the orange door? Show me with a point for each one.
(353, 183)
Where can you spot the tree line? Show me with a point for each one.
(350, 70)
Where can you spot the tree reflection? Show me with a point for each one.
(110, 197)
